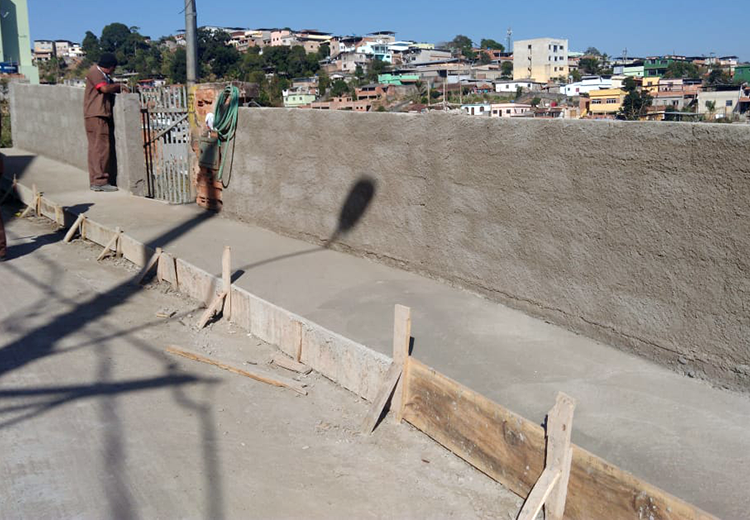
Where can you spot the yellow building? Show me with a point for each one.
(651, 84)
(606, 102)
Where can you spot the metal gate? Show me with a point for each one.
(166, 143)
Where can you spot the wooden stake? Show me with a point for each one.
(257, 374)
(401, 340)
(108, 248)
(226, 275)
(150, 265)
(552, 487)
(118, 244)
(559, 452)
(212, 309)
(298, 352)
(75, 227)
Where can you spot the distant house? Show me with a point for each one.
(587, 84)
(742, 73)
(294, 99)
(375, 92)
(606, 103)
(398, 79)
(510, 110)
(512, 86)
(342, 103)
(477, 109)
(718, 104)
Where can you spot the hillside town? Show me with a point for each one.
(311, 69)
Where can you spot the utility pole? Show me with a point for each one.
(191, 38)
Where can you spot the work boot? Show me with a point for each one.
(103, 187)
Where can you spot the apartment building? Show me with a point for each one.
(540, 59)
(44, 50)
(606, 102)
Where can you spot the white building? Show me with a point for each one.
(512, 87)
(540, 59)
(719, 104)
(510, 110)
(477, 109)
(587, 84)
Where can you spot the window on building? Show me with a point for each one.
(611, 101)
(729, 102)
(596, 101)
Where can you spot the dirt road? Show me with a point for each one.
(96, 421)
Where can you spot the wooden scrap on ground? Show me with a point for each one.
(256, 373)
(284, 361)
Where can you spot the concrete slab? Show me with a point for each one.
(677, 433)
(96, 421)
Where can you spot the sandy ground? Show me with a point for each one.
(96, 421)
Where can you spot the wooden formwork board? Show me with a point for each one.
(510, 449)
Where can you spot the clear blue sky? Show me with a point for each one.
(644, 27)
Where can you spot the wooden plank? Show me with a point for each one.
(226, 276)
(288, 363)
(150, 265)
(257, 374)
(510, 449)
(559, 453)
(386, 390)
(72, 231)
(401, 340)
(538, 496)
(298, 340)
(211, 310)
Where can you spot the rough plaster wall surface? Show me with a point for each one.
(633, 233)
(48, 120)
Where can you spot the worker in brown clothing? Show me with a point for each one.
(98, 100)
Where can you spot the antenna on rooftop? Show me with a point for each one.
(510, 36)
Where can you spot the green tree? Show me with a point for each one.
(339, 88)
(464, 45)
(376, 68)
(575, 75)
(114, 36)
(636, 103)
(324, 51)
(178, 67)
(324, 82)
(488, 43)
(718, 76)
(593, 51)
(507, 69)
(90, 46)
(682, 69)
(590, 65)
(485, 58)
(535, 102)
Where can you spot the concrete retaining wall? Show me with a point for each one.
(634, 233)
(48, 120)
